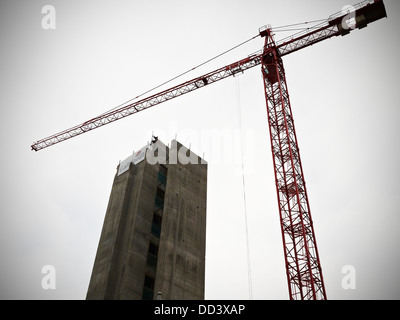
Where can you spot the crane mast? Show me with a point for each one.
(303, 267)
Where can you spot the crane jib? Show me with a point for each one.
(363, 14)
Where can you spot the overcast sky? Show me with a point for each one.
(345, 99)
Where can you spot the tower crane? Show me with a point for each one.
(303, 267)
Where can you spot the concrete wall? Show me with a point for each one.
(121, 262)
(119, 222)
(181, 260)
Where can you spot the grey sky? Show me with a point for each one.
(344, 94)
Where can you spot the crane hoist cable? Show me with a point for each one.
(239, 111)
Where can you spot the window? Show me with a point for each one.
(160, 193)
(163, 170)
(152, 255)
(148, 288)
(149, 282)
(153, 249)
(156, 225)
(162, 179)
(162, 175)
(159, 200)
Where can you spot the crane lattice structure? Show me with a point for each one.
(303, 267)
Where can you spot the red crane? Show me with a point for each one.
(303, 267)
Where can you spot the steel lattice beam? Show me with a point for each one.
(135, 107)
(303, 268)
(366, 12)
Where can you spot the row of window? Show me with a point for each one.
(152, 254)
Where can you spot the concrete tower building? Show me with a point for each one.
(154, 233)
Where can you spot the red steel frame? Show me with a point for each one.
(367, 11)
(303, 267)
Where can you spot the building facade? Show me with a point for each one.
(154, 234)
